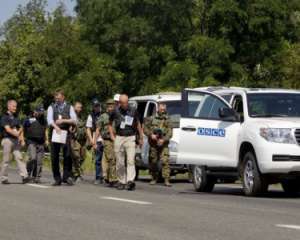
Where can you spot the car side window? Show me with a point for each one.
(227, 97)
(151, 109)
(202, 105)
(141, 107)
(238, 106)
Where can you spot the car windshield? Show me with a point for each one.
(274, 104)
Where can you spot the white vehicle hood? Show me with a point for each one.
(278, 122)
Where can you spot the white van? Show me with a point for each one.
(227, 133)
(147, 107)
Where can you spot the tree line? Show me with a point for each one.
(147, 46)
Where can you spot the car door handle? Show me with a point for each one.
(189, 129)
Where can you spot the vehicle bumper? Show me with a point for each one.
(278, 158)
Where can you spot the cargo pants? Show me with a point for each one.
(12, 147)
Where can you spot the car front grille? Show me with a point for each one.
(297, 135)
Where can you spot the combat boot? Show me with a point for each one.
(153, 182)
(167, 183)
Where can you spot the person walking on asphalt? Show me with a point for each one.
(97, 143)
(12, 142)
(127, 125)
(35, 131)
(61, 116)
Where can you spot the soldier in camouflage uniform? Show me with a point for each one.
(158, 129)
(108, 160)
(78, 142)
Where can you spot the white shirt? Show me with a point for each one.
(89, 124)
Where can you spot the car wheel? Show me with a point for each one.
(202, 182)
(253, 182)
(291, 187)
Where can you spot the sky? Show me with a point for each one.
(8, 7)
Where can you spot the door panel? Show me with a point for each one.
(205, 139)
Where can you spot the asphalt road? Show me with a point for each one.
(85, 211)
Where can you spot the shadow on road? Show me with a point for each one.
(235, 191)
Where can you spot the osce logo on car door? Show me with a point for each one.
(211, 132)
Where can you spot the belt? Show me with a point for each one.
(125, 135)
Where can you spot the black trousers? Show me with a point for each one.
(67, 161)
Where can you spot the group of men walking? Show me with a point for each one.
(112, 135)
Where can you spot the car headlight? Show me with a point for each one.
(173, 146)
(278, 135)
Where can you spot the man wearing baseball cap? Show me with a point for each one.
(97, 143)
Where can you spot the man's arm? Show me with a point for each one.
(89, 125)
(71, 121)
(111, 131)
(11, 131)
(50, 119)
(21, 137)
(141, 134)
(46, 137)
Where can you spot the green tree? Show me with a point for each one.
(41, 52)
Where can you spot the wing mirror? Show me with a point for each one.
(228, 114)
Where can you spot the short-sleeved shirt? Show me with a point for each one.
(125, 121)
(12, 121)
(90, 124)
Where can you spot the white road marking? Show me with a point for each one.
(37, 185)
(295, 227)
(126, 200)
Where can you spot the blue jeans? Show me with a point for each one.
(98, 160)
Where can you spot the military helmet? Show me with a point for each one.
(110, 102)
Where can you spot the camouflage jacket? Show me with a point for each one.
(103, 124)
(159, 122)
(80, 131)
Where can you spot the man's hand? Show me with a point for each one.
(58, 130)
(22, 142)
(59, 121)
(95, 146)
(141, 142)
(160, 142)
(153, 137)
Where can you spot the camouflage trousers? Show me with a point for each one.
(157, 154)
(109, 162)
(78, 156)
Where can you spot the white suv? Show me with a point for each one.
(227, 133)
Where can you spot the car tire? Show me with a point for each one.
(291, 187)
(202, 182)
(254, 183)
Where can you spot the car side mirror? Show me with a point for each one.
(228, 114)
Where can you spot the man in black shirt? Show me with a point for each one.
(35, 129)
(12, 142)
(127, 127)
